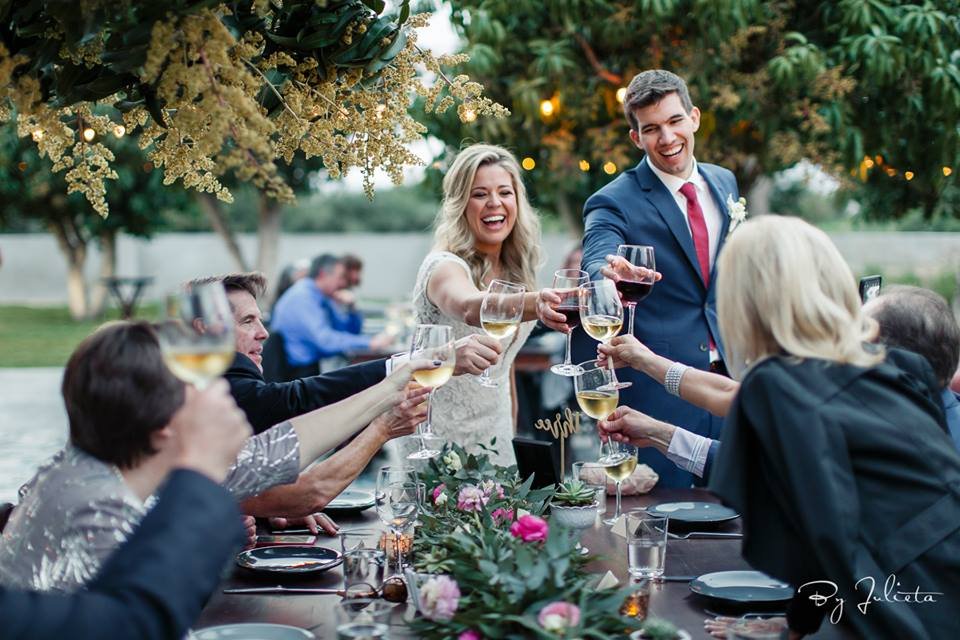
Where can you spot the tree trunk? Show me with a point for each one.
(568, 214)
(108, 269)
(73, 246)
(211, 207)
(268, 241)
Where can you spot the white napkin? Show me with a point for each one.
(608, 581)
(620, 527)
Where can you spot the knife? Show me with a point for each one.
(677, 578)
(281, 589)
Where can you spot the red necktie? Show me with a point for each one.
(698, 229)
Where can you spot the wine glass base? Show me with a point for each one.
(487, 382)
(568, 370)
(614, 386)
(611, 520)
(425, 454)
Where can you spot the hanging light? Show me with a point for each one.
(947, 171)
(546, 108)
(908, 175)
(89, 134)
(584, 165)
(528, 163)
(621, 94)
(119, 130)
(609, 168)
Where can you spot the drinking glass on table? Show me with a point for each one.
(635, 284)
(365, 619)
(196, 336)
(398, 503)
(646, 544)
(431, 342)
(567, 283)
(602, 316)
(592, 475)
(500, 315)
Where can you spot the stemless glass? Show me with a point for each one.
(431, 342)
(500, 316)
(634, 288)
(602, 316)
(196, 337)
(398, 503)
(567, 282)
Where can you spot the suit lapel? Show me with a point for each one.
(666, 206)
(720, 197)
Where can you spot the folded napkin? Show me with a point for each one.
(641, 480)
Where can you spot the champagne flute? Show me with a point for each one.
(568, 283)
(500, 316)
(632, 289)
(196, 337)
(602, 316)
(431, 342)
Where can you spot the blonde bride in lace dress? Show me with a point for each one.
(485, 230)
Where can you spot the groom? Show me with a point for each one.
(678, 206)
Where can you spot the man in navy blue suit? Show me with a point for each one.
(680, 207)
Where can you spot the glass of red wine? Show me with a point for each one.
(635, 284)
(567, 283)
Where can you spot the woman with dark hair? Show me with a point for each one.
(120, 400)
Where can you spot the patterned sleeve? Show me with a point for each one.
(266, 460)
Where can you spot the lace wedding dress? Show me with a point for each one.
(464, 411)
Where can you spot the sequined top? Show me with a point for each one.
(77, 509)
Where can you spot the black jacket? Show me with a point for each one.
(270, 403)
(154, 585)
(843, 474)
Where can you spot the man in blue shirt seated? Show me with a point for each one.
(346, 316)
(308, 318)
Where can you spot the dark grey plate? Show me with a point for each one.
(741, 586)
(694, 511)
(289, 559)
(351, 500)
(251, 631)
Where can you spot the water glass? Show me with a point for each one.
(592, 475)
(646, 544)
(363, 572)
(363, 619)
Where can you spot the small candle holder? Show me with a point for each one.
(637, 604)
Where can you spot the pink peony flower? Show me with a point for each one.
(556, 617)
(438, 492)
(470, 635)
(471, 498)
(439, 598)
(502, 515)
(530, 528)
(490, 488)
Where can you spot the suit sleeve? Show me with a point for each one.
(605, 227)
(270, 403)
(155, 585)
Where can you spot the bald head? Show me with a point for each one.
(920, 321)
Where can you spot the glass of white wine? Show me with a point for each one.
(601, 314)
(598, 398)
(431, 342)
(196, 337)
(500, 315)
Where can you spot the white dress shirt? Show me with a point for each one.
(711, 210)
(689, 451)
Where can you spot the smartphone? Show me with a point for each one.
(869, 288)
(277, 540)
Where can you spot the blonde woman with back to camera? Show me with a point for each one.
(485, 230)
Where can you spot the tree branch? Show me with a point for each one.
(609, 76)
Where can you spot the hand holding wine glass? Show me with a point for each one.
(566, 285)
(431, 342)
(196, 337)
(500, 315)
(634, 271)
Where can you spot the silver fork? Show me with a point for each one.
(751, 614)
(703, 534)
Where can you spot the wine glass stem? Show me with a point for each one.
(397, 539)
(632, 308)
(613, 372)
(616, 513)
(566, 359)
(427, 427)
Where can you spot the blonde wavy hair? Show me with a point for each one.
(784, 288)
(520, 256)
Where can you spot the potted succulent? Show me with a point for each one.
(658, 629)
(574, 505)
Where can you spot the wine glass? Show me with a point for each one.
(602, 316)
(618, 463)
(500, 316)
(567, 282)
(634, 290)
(431, 342)
(196, 337)
(398, 502)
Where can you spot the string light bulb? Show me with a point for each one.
(89, 134)
(947, 171)
(546, 108)
(119, 130)
(908, 175)
(469, 115)
(621, 94)
(528, 163)
(584, 165)
(609, 168)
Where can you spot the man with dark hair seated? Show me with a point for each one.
(157, 582)
(267, 403)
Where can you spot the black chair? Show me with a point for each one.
(5, 509)
(275, 365)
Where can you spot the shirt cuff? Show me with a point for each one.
(689, 451)
(398, 359)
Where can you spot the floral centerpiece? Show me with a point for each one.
(500, 568)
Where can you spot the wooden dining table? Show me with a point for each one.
(672, 601)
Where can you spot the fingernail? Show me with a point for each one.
(437, 363)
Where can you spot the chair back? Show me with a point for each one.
(5, 509)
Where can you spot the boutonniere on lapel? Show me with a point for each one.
(737, 212)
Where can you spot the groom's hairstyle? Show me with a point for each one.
(118, 391)
(650, 87)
